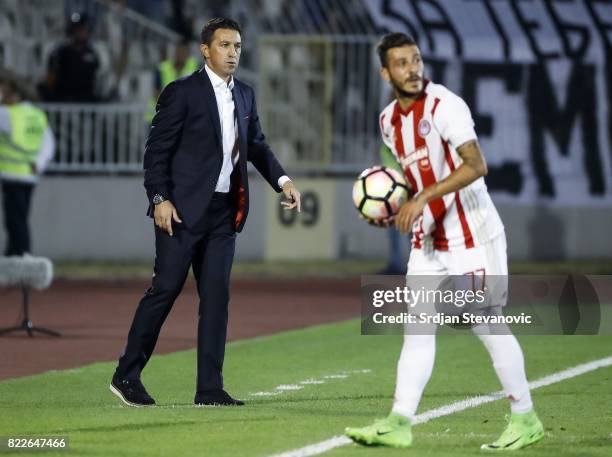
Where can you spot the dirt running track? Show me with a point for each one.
(94, 318)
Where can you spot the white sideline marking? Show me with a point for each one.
(300, 385)
(455, 407)
(265, 394)
(289, 387)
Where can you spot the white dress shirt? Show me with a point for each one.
(229, 128)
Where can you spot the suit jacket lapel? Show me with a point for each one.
(242, 123)
(211, 101)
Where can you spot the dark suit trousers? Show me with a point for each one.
(210, 250)
(16, 199)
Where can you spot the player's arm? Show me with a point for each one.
(47, 151)
(472, 168)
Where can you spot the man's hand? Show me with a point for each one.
(408, 213)
(293, 197)
(164, 213)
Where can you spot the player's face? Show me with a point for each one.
(404, 70)
(223, 54)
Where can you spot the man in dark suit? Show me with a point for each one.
(205, 129)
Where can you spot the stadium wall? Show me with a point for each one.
(103, 218)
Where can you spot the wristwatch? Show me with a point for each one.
(157, 199)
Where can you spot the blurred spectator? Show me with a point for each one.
(26, 147)
(73, 66)
(89, 8)
(182, 64)
(182, 18)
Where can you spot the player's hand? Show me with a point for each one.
(382, 223)
(293, 197)
(408, 213)
(164, 214)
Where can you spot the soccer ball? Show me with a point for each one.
(378, 194)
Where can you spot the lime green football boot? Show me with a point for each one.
(393, 431)
(523, 429)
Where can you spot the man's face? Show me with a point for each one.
(404, 70)
(223, 54)
(80, 35)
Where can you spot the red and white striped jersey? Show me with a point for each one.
(424, 139)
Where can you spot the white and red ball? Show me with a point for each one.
(378, 193)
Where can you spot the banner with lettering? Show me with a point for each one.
(537, 75)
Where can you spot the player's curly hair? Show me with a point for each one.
(392, 40)
(218, 23)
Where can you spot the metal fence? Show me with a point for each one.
(320, 100)
(97, 137)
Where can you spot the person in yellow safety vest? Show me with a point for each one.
(26, 147)
(170, 69)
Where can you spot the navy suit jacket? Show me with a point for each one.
(184, 152)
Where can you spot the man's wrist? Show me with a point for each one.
(283, 180)
(424, 196)
(158, 198)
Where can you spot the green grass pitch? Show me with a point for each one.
(323, 379)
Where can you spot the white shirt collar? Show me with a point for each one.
(217, 81)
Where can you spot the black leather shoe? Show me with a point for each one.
(131, 392)
(216, 398)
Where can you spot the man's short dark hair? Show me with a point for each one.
(218, 23)
(392, 40)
